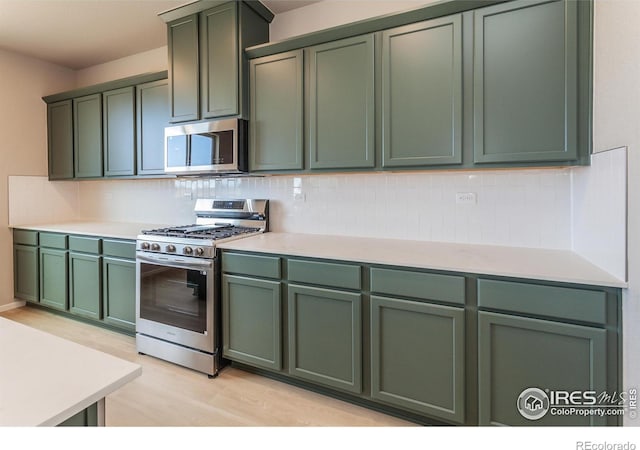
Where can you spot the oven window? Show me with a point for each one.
(172, 296)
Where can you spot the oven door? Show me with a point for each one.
(175, 299)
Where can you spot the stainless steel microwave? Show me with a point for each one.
(214, 147)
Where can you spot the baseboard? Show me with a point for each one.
(13, 305)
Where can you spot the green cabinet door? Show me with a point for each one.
(54, 287)
(87, 136)
(517, 353)
(119, 132)
(85, 285)
(417, 357)
(152, 116)
(182, 40)
(276, 118)
(342, 104)
(119, 292)
(251, 317)
(60, 139)
(325, 337)
(219, 61)
(422, 93)
(25, 272)
(525, 82)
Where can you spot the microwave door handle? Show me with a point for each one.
(192, 265)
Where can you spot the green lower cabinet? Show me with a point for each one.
(85, 418)
(325, 337)
(417, 357)
(54, 288)
(25, 272)
(85, 285)
(517, 353)
(119, 292)
(251, 312)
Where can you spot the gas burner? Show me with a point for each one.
(216, 231)
(216, 221)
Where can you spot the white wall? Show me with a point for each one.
(616, 119)
(23, 127)
(150, 61)
(331, 13)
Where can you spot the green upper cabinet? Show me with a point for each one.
(276, 112)
(525, 82)
(422, 93)
(60, 139)
(87, 136)
(473, 84)
(207, 66)
(119, 131)
(342, 104)
(152, 116)
(219, 61)
(113, 129)
(184, 85)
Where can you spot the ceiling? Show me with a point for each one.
(82, 33)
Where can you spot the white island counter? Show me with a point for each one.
(44, 379)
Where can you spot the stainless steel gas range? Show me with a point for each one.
(178, 282)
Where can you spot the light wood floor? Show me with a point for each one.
(170, 395)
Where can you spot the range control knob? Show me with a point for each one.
(188, 251)
(144, 246)
(155, 247)
(171, 248)
(199, 251)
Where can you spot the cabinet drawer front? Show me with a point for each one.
(552, 301)
(84, 244)
(53, 240)
(323, 273)
(259, 266)
(119, 249)
(25, 237)
(427, 286)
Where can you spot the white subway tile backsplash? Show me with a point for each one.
(529, 207)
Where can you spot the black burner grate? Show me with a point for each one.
(201, 232)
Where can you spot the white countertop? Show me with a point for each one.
(118, 230)
(45, 379)
(539, 264)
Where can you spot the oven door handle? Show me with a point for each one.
(191, 264)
